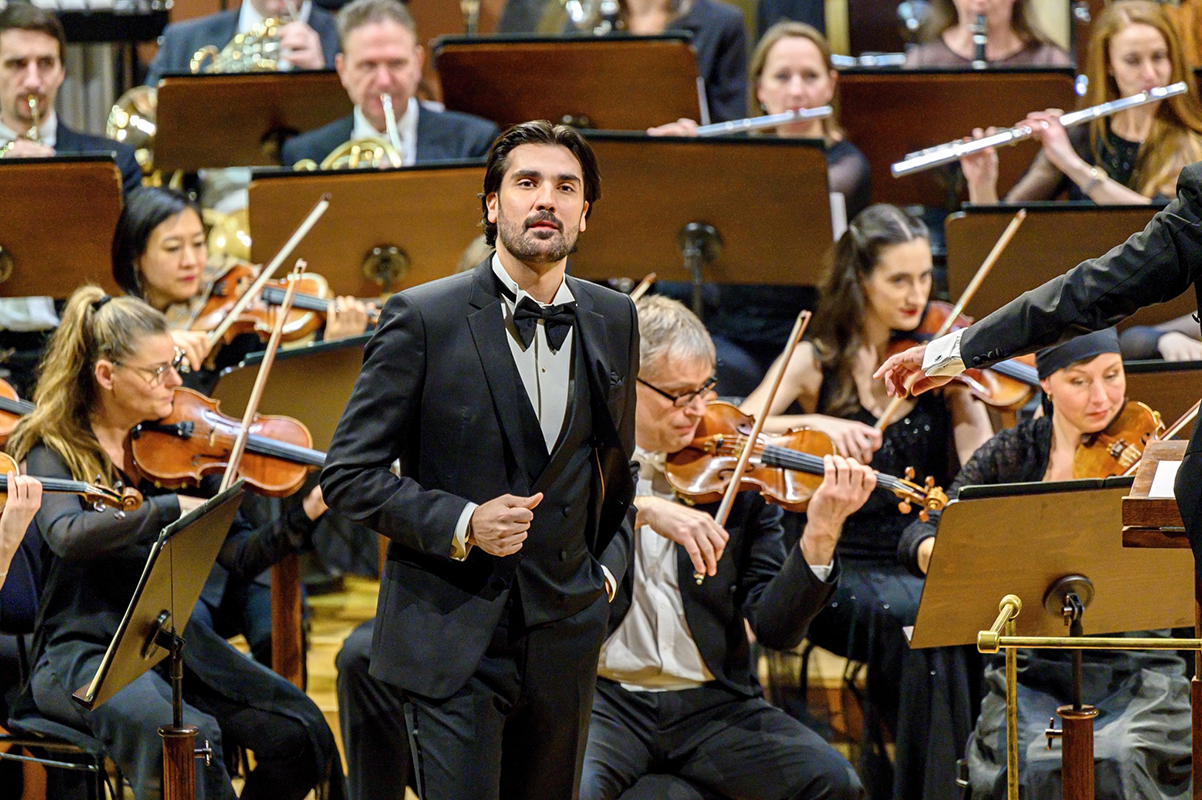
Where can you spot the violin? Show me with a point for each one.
(309, 308)
(197, 440)
(1114, 450)
(12, 408)
(1008, 385)
(787, 472)
(120, 497)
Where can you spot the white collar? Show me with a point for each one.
(562, 295)
(650, 460)
(406, 129)
(47, 131)
(249, 16)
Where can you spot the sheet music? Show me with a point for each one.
(1162, 481)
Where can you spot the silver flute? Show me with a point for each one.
(759, 123)
(954, 151)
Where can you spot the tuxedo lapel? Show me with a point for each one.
(590, 336)
(510, 402)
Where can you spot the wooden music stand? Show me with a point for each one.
(964, 100)
(614, 82)
(240, 120)
(386, 230)
(176, 570)
(981, 556)
(725, 210)
(58, 216)
(1155, 523)
(293, 392)
(1055, 238)
(1170, 387)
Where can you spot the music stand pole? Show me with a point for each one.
(179, 740)
(700, 245)
(1073, 593)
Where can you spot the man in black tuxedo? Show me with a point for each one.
(678, 711)
(381, 56)
(1152, 266)
(307, 42)
(31, 63)
(506, 393)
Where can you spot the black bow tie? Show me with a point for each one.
(558, 320)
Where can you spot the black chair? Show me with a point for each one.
(31, 737)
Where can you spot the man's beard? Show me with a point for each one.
(524, 245)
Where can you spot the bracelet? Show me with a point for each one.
(1096, 177)
(5, 148)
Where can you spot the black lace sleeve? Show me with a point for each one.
(1015, 455)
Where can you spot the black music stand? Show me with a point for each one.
(927, 107)
(386, 230)
(57, 217)
(240, 120)
(615, 82)
(179, 564)
(726, 210)
(1054, 238)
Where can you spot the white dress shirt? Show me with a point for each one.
(30, 313)
(943, 356)
(406, 129)
(653, 649)
(546, 375)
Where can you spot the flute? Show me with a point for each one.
(954, 151)
(759, 123)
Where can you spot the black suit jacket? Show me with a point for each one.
(441, 136)
(760, 578)
(439, 391)
(181, 40)
(68, 142)
(1152, 266)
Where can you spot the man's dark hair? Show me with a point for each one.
(538, 131)
(28, 17)
(366, 12)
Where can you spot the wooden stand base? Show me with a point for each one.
(179, 761)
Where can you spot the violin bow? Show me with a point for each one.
(728, 499)
(643, 286)
(256, 394)
(1170, 433)
(965, 297)
(267, 272)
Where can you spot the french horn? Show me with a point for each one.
(364, 153)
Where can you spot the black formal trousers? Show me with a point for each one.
(529, 700)
(714, 741)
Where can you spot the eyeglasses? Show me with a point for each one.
(682, 400)
(156, 375)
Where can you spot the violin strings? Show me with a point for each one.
(777, 456)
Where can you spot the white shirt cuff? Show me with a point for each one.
(459, 546)
(611, 585)
(943, 356)
(823, 572)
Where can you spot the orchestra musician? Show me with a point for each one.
(22, 499)
(1142, 695)
(32, 43)
(506, 394)
(791, 69)
(877, 289)
(381, 55)
(111, 365)
(308, 36)
(1133, 156)
(1152, 266)
(160, 254)
(677, 699)
(1012, 36)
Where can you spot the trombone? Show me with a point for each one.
(769, 121)
(954, 151)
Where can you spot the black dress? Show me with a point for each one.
(92, 562)
(1141, 736)
(926, 698)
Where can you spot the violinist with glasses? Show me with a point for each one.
(111, 365)
(1143, 696)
